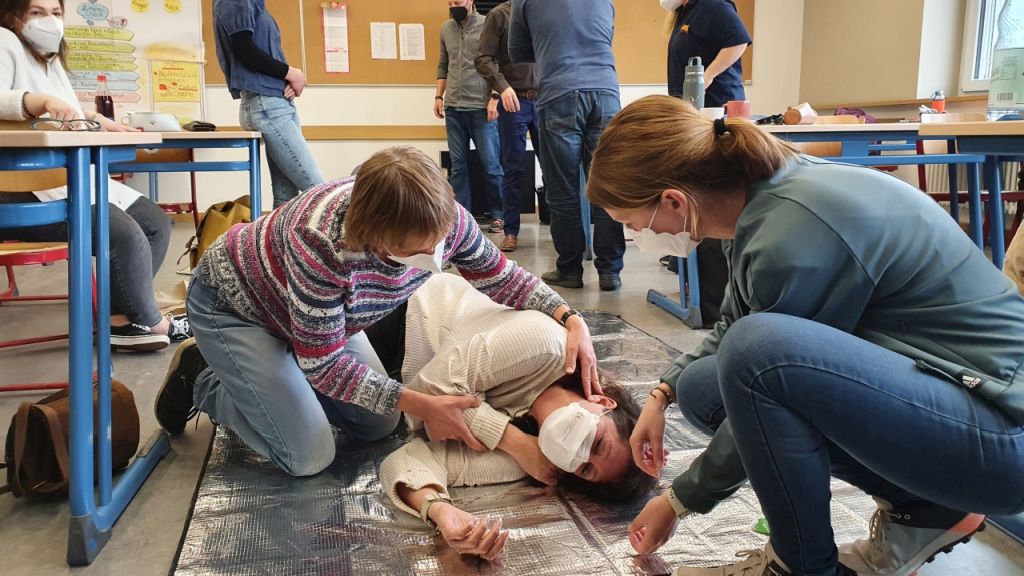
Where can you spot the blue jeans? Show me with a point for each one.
(570, 128)
(254, 387)
(513, 128)
(291, 164)
(461, 127)
(806, 401)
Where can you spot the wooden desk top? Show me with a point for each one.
(67, 139)
(219, 135)
(832, 128)
(1009, 128)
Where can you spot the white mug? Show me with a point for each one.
(152, 121)
(713, 113)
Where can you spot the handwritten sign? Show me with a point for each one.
(176, 81)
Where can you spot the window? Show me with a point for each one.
(979, 38)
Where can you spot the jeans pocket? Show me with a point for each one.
(271, 108)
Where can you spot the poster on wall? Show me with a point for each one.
(150, 51)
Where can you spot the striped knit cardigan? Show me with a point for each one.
(291, 273)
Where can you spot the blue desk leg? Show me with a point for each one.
(83, 543)
(974, 204)
(588, 229)
(154, 192)
(687, 308)
(91, 525)
(954, 187)
(254, 179)
(993, 181)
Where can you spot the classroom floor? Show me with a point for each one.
(144, 541)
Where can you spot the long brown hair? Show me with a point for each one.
(659, 143)
(12, 17)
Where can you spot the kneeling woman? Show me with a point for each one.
(452, 340)
(863, 336)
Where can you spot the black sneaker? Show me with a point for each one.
(180, 329)
(174, 405)
(137, 338)
(557, 278)
(609, 282)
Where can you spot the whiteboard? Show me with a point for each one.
(150, 50)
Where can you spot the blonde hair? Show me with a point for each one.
(400, 193)
(659, 143)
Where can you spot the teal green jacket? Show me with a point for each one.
(868, 254)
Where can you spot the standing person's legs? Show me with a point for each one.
(609, 241)
(793, 388)
(292, 167)
(488, 149)
(512, 129)
(561, 126)
(458, 128)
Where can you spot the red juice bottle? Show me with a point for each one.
(104, 102)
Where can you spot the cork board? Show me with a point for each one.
(641, 40)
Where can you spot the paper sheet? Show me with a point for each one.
(336, 38)
(413, 47)
(383, 41)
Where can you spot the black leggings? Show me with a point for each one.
(387, 336)
(139, 238)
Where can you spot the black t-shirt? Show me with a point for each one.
(703, 28)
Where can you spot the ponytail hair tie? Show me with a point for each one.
(720, 127)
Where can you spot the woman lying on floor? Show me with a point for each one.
(450, 339)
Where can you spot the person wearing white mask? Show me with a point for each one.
(279, 307)
(32, 50)
(533, 418)
(863, 337)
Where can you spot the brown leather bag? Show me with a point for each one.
(36, 454)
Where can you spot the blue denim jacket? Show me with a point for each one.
(232, 16)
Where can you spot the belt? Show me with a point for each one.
(528, 94)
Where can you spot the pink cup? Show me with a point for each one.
(738, 109)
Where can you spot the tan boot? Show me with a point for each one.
(510, 244)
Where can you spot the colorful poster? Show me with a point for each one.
(176, 81)
(149, 50)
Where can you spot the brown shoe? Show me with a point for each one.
(510, 244)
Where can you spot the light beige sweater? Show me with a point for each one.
(1013, 264)
(459, 342)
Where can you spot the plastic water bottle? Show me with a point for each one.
(693, 83)
(1006, 86)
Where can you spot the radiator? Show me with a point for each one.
(937, 178)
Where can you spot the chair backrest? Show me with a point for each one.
(32, 180)
(828, 149)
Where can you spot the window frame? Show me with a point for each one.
(969, 54)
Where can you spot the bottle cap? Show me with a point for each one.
(101, 77)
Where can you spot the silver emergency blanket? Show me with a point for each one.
(249, 518)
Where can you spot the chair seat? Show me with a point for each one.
(25, 253)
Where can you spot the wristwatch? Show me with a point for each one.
(495, 96)
(568, 314)
(425, 508)
(677, 506)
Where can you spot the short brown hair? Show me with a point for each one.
(659, 143)
(400, 193)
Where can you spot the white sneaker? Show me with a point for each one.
(751, 563)
(900, 541)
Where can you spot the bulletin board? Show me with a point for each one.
(641, 40)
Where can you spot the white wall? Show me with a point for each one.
(776, 83)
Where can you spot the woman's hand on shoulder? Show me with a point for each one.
(578, 345)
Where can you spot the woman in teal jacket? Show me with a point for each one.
(863, 336)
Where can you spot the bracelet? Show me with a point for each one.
(24, 106)
(667, 401)
(427, 502)
(438, 97)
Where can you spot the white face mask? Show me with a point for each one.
(671, 5)
(647, 240)
(566, 436)
(44, 34)
(428, 262)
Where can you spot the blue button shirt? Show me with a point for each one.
(232, 16)
(703, 28)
